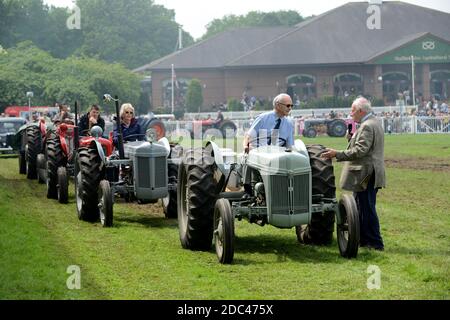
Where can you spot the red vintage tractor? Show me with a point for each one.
(226, 127)
(57, 164)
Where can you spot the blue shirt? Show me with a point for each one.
(366, 117)
(262, 128)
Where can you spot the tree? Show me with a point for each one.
(253, 19)
(132, 32)
(24, 68)
(27, 68)
(22, 20)
(194, 100)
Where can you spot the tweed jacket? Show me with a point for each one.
(363, 157)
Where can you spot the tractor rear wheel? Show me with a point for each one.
(22, 162)
(336, 128)
(320, 230)
(63, 185)
(32, 149)
(224, 231)
(170, 202)
(228, 129)
(159, 128)
(197, 195)
(55, 159)
(90, 172)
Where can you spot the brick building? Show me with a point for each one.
(334, 54)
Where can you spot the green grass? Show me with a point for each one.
(141, 256)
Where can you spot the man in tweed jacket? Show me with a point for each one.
(363, 171)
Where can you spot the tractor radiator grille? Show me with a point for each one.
(301, 193)
(160, 172)
(152, 166)
(144, 169)
(290, 195)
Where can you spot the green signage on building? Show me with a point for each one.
(425, 50)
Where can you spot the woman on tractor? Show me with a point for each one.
(131, 128)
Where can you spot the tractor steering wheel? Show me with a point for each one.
(256, 142)
(134, 137)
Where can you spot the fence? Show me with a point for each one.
(242, 115)
(397, 125)
(416, 125)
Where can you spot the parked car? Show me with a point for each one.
(8, 128)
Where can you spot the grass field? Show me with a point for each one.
(141, 257)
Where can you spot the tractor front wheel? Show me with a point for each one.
(310, 133)
(55, 159)
(170, 202)
(63, 185)
(348, 228)
(41, 168)
(224, 231)
(105, 204)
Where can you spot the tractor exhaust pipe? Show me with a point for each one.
(107, 97)
(119, 129)
(76, 138)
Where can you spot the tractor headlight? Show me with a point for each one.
(151, 135)
(107, 97)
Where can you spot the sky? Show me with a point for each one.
(194, 15)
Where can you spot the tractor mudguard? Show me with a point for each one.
(165, 143)
(300, 147)
(97, 145)
(19, 135)
(223, 167)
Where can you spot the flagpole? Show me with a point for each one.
(173, 92)
(412, 80)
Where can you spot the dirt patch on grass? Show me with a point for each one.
(419, 164)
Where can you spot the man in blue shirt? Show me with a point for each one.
(269, 128)
(272, 128)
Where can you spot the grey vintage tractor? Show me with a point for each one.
(138, 171)
(291, 187)
(331, 127)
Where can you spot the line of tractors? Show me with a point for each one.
(201, 187)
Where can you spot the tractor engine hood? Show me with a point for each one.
(144, 149)
(274, 160)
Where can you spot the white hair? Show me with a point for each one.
(363, 104)
(125, 107)
(280, 97)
